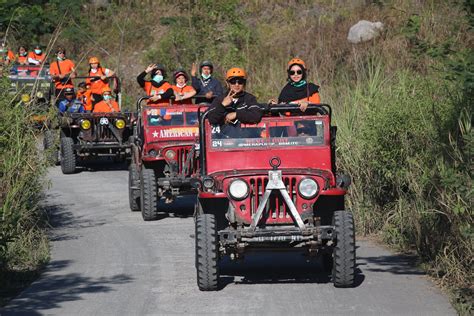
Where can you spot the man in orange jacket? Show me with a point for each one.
(62, 70)
(84, 94)
(108, 104)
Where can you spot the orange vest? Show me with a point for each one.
(10, 56)
(86, 99)
(314, 98)
(65, 67)
(152, 91)
(183, 90)
(97, 86)
(103, 107)
(33, 55)
(22, 59)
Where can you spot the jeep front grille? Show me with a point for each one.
(276, 207)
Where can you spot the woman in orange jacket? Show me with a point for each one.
(298, 90)
(108, 104)
(182, 92)
(159, 90)
(22, 56)
(99, 81)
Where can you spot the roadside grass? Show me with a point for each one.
(23, 242)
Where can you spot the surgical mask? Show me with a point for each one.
(158, 78)
(38, 51)
(60, 58)
(107, 97)
(181, 85)
(94, 70)
(206, 76)
(1, 50)
(23, 54)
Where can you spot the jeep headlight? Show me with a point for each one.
(238, 189)
(39, 95)
(170, 154)
(85, 124)
(25, 98)
(308, 188)
(119, 123)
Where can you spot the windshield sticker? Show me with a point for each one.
(177, 132)
(266, 142)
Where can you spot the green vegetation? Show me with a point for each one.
(23, 242)
(403, 102)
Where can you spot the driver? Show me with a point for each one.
(236, 106)
(70, 104)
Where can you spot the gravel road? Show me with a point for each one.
(105, 260)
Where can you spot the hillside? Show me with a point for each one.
(403, 102)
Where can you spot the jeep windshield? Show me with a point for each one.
(25, 72)
(271, 132)
(171, 117)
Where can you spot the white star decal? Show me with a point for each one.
(155, 134)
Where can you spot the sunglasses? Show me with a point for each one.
(297, 72)
(237, 81)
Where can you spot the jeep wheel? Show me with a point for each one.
(148, 194)
(133, 188)
(68, 157)
(343, 270)
(50, 149)
(206, 253)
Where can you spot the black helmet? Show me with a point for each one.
(206, 63)
(69, 91)
(159, 67)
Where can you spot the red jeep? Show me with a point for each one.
(273, 185)
(163, 156)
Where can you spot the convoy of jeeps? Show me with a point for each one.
(269, 186)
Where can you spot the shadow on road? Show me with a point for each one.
(182, 207)
(102, 164)
(56, 289)
(277, 267)
(60, 217)
(396, 264)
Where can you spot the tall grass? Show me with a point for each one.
(23, 243)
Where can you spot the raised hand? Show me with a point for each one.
(150, 68)
(193, 70)
(228, 99)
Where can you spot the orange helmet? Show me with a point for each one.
(106, 89)
(235, 72)
(94, 60)
(297, 61)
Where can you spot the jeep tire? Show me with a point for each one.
(206, 253)
(68, 156)
(148, 194)
(343, 270)
(133, 188)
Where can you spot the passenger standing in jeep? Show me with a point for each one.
(236, 106)
(62, 70)
(298, 90)
(157, 88)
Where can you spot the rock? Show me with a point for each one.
(364, 31)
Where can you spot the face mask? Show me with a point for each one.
(60, 59)
(23, 54)
(1, 50)
(206, 76)
(158, 78)
(107, 97)
(38, 51)
(181, 85)
(94, 70)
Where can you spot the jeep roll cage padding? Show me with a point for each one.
(277, 109)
